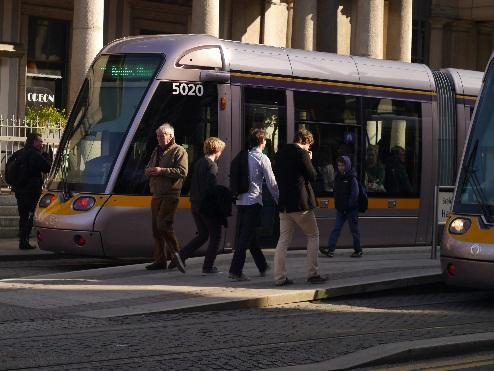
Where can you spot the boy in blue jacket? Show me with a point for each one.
(346, 192)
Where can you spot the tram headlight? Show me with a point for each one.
(459, 226)
(46, 200)
(83, 203)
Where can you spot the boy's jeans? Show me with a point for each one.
(352, 217)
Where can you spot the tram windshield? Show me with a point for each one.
(475, 192)
(102, 114)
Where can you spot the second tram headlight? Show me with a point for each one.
(459, 226)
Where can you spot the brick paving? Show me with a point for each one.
(81, 320)
(248, 339)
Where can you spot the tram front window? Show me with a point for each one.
(476, 184)
(107, 103)
(192, 109)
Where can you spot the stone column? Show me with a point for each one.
(333, 26)
(304, 24)
(369, 33)
(436, 46)
(400, 30)
(275, 23)
(12, 78)
(206, 17)
(226, 19)
(460, 44)
(87, 40)
(289, 24)
(246, 26)
(485, 44)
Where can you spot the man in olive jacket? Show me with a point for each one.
(166, 170)
(294, 173)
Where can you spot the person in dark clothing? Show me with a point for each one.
(346, 191)
(396, 180)
(295, 173)
(203, 182)
(28, 193)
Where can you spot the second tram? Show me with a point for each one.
(467, 248)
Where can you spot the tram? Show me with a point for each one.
(397, 121)
(467, 247)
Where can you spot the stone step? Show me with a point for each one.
(8, 211)
(7, 222)
(9, 232)
(7, 200)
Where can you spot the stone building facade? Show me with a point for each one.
(46, 46)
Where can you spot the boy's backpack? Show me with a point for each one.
(363, 202)
(17, 169)
(239, 173)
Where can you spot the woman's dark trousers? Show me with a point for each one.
(207, 228)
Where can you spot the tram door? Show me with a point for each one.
(266, 109)
(392, 171)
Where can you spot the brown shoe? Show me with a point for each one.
(155, 266)
(285, 282)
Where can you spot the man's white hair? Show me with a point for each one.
(166, 128)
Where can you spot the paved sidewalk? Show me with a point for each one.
(131, 290)
(9, 248)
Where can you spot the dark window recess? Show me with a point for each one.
(47, 57)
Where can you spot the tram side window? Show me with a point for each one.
(393, 147)
(266, 108)
(194, 117)
(332, 120)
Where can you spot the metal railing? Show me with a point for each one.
(13, 132)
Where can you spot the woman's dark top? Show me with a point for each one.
(203, 179)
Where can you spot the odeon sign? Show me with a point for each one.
(41, 97)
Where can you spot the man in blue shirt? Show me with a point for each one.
(249, 207)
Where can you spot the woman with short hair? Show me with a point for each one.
(203, 180)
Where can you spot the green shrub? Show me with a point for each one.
(46, 116)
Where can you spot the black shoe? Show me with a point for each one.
(356, 254)
(173, 264)
(155, 266)
(178, 262)
(263, 273)
(240, 278)
(326, 251)
(26, 246)
(213, 270)
(317, 279)
(285, 282)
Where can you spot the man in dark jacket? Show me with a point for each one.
(346, 193)
(294, 174)
(28, 193)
